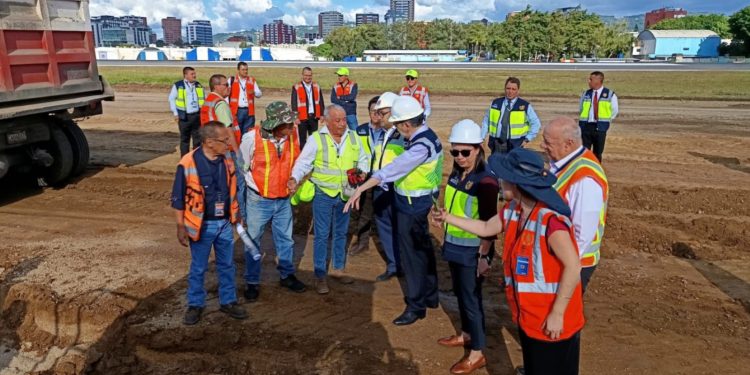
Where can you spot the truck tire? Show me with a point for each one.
(62, 153)
(78, 143)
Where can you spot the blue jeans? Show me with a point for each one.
(240, 184)
(351, 121)
(385, 220)
(216, 233)
(279, 212)
(245, 121)
(329, 219)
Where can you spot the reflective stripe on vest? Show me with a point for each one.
(342, 90)
(519, 125)
(460, 203)
(426, 178)
(236, 90)
(271, 171)
(605, 106)
(180, 100)
(195, 205)
(419, 93)
(302, 100)
(532, 285)
(586, 165)
(329, 168)
(394, 146)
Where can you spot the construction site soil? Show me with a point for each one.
(93, 279)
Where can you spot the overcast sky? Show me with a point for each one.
(232, 15)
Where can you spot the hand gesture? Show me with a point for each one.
(438, 216)
(483, 267)
(353, 201)
(177, 119)
(291, 185)
(182, 236)
(553, 325)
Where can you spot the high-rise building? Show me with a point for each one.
(365, 18)
(402, 10)
(305, 31)
(200, 31)
(172, 30)
(328, 21)
(110, 31)
(653, 17)
(277, 32)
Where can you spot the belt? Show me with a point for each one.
(193, 113)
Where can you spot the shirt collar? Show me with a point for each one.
(558, 165)
(324, 130)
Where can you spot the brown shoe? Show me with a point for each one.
(321, 286)
(341, 276)
(464, 366)
(454, 341)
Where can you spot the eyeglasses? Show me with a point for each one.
(464, 153)
(384, 113)
(410, 78)
(376, 113)
(224, 141)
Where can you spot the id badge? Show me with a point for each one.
(219, 209)
(522, 266)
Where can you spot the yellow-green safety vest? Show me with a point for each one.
(519, 124)
(425, 179)
(461, 200)
(394, 146)
(329, 168)
(179, 101)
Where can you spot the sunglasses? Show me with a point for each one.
(464, 153)
(410, 78)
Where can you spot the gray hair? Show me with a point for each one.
(569, 129)
(333, 107)
(215, 80)
(211, 129)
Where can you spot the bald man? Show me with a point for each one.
(582, 183)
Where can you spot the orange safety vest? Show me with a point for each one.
(342, 90)
(586, 165)
(234, 96)
(533, 273)
(208, 114)
(195, 205)
(271, 172)
(419, 93)
(302, 100)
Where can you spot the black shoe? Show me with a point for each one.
(252, 292)
(407, 318)
(385, 276)
(192, 315)
(433, 305)
(234, 310)
(292, 284)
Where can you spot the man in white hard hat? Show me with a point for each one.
(416, 174)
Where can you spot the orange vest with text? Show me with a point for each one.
(208, 114)
(533, 273)
(195, 205)
(271, 172)
(419, 93)
(302, 109)
(236, 91)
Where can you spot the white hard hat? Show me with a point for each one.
(466, 131)
(385, 100)
(405, 108)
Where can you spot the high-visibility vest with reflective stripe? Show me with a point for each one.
(271, 172)
(604, 111)
(533, 273)
(195, 196)
(236, 91)
(461, 200)
(388, 150)
(426, 178)
(419, 93)
(208, 114)
(519, 122)
(586, 166)
(363, 132)
(302, 109)
(329, 169)
(181, 100)
(343, 89)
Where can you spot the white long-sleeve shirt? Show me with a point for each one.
(613, 101)
(242, 103)
(585, 198)
(304, 164)
(403, 164)
(191, 100)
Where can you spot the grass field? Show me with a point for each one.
(658, 85)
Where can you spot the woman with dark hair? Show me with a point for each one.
(540, 262)
(472, 192)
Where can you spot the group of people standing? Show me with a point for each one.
(390, 171)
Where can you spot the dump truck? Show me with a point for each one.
(48, 80)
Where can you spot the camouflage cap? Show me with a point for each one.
(278, 113)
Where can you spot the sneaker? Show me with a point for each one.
(234, 310)
(292, 284)
(192, 315)
(321, 286)
(251, 292)
(341, 276)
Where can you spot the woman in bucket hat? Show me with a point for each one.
(540, 262)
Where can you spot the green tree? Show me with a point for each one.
(445, 34)
(717, 23)
(322, 50)
(739, 25)
(477, 36)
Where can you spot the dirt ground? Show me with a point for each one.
(93, 279)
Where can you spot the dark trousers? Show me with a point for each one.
(190, 127)
(468, 289)
(385, 221)
(306, 128)
(360, 223)
(593, 139)
(418, 261)
(503, 146)
(586, 273)
(244, 120)
(545, 358)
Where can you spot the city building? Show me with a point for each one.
(199, 32)
(172, 30)
(567, 10)
(658, 44)
(303, 31)
(111, 31)
(328, 21)
(365, 18)
(633, 23)
(402, 10)
(483, 21)
(653, 17)
(277, 32)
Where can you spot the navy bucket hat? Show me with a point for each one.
(525, 168)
